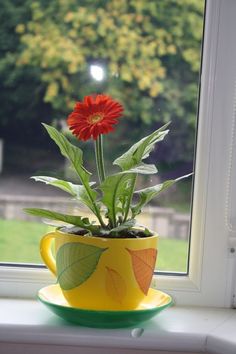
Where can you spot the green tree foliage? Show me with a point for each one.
(20, 86)
(149, 49)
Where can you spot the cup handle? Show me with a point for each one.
(46, 251)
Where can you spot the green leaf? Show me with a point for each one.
(77, 191)
(125, 226)
(71, 152)
(142, 168)
(146, 194)
(69, 219)
(141, 149)
(147, 232)
(116, 189)
(75, 155)
(76, 262)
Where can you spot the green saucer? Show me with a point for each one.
(156, 301)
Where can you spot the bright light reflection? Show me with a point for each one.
(97, 72)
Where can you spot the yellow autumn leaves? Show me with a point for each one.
(133, 39)
(143, 264)
(75, 36)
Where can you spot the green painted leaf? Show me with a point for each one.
(146, 194)
(76, 262)
(75, 155)
(141, 149)
(69, 219)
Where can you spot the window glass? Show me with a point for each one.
(146, 54)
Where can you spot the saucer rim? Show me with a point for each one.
(78, 309)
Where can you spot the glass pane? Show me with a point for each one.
(145, 54)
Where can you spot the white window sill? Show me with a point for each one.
(26, 327)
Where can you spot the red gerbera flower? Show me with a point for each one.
(94, 116)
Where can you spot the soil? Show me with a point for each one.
(134, 233)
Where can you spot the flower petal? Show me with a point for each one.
(81, 121)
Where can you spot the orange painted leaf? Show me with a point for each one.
(143, 262)
(115, 285)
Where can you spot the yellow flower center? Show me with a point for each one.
(95, 118)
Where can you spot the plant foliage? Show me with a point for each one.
(111, 200)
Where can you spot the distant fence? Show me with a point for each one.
(165, 221)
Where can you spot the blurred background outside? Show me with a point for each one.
(146, 54)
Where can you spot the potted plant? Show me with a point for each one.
(107, 264)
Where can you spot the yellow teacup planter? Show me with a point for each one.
(106, 271)
(101, 273)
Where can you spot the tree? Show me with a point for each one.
(149, 49)
(21, 88)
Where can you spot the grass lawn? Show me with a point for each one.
(19, 242)
(172, 255)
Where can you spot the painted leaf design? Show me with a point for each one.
(143, 262)
(115, 285)
(76, 262)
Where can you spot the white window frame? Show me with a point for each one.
(211, 278)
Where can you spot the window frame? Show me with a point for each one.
(211, 277)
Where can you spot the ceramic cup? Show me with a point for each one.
(101, 273)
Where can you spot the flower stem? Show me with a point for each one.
(99, 158)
